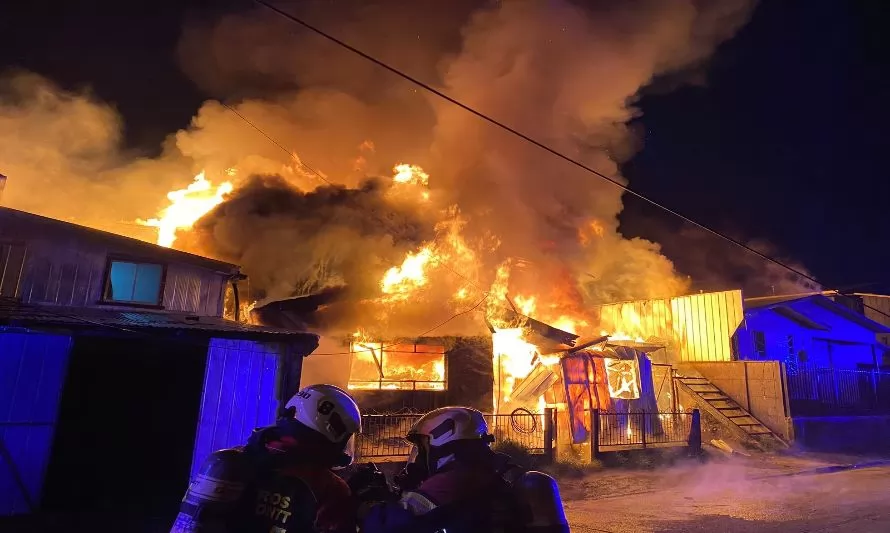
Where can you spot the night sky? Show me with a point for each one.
(785, 141)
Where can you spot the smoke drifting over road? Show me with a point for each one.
(566, 73)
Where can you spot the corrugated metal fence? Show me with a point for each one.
(32, 372)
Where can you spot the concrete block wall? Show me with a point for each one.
(757, 386)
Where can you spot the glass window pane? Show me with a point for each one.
(148, 284)
(121, 278)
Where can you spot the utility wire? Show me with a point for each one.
(278, 144)
(523, 136)
(539, 144)
(425, 333)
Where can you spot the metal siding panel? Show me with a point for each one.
(715, 347)
(695, 312)
(682, 317)
(723, 334)
(238, 396)
(32, 372)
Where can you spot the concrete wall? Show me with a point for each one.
(756, 386)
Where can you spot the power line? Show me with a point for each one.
(427, 332)
(525, 137)
(278, 144)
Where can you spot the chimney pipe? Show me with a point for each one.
(2, 186)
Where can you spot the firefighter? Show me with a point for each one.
(281, 481)
(455, 482)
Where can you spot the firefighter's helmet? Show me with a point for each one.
(438, 435)
(328, 410)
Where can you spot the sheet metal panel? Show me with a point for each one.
(240, 394)
(32, 373)
(698, 327)
(193, 290)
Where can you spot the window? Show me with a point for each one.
(376, 366)
(759, 345)
(134, 283)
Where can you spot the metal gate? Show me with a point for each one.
(32, 372)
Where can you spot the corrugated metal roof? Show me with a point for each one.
(16, 314)
(14, 216)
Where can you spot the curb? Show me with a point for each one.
(831, 469)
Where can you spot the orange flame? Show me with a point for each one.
(399, 282)
(405, 173)
(186, 207)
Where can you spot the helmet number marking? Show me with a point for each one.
(325, 407)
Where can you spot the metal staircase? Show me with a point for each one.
(729, 413)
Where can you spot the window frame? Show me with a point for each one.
(111, 259)
(383, 380)
(759, 355)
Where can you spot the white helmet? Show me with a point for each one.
(448, 424)
(434, 435)
(328, 410)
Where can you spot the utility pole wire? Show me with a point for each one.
(278, 144)
(553, 151)
(525, 137)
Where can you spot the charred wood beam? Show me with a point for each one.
(588, 344)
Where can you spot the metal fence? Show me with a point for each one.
(383, 436)
(628, 431)
(832, 391)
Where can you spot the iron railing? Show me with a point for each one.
(831, 391)
(627, 431)
(383, 436)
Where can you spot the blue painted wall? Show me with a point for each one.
(240, 394)
(851, 343)
(32, 373)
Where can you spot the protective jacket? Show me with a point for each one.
(493, 496)
(268, 486)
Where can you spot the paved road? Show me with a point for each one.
(731, 498)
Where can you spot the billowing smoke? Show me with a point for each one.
(297, 243)
(61, 153)
(566, 73)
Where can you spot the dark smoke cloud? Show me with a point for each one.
(296, 243)
(717, 264)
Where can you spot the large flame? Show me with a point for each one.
(399, 282)
(186, 207)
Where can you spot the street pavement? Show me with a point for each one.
(765, 494)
